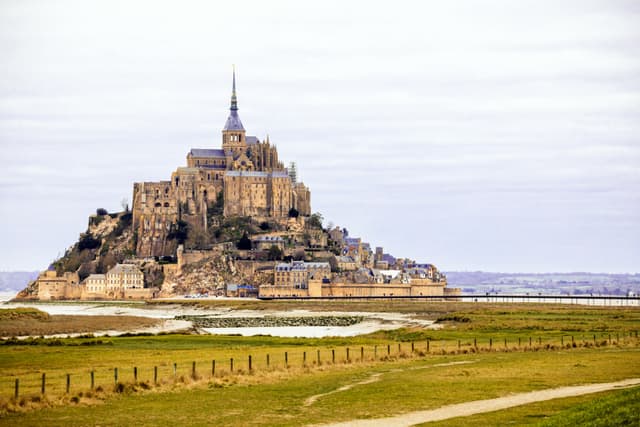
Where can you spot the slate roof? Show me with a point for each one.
(233, 122)
(207, 152)
(252, 140)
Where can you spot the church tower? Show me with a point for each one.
(233, 134)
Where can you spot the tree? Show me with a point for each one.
(264, 226)
(315, 220)
(101, 212)
(275, 253)
(293, 213)
(87, 241)
(244, 243)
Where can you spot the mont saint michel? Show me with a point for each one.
(233, 221)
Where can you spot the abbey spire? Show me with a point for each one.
(233, 122)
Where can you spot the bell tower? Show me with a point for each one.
(233, 133)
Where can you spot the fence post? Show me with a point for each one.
(286, 359)
(115, 375)
(412, 347)
(361, 354)
(399, 348)
(44, 380)
(388, 349)
(17, 390)
(268, 360)
(505, 343)
(231, 364)
(490, 343)
(93, 382)
(250, 366)
(135, 373)
(333, 355)
(572, 341)
(318, 357)
(458, 344)
(375, 352)
(594, 339)
(428, 345)
(213, 367)
(475, 342)
(155, 375)
(193, 370)
(519, 342)
(529, 341)
(68, 382)
(347, 354)
(304, 358)
(562, 340)
(609, 339)
(617, 337)
(175, 370)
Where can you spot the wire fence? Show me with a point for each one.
(18, 389)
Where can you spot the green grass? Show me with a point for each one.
(475, 332)
(612, 408)
(403, 386)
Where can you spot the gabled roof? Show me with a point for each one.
(207, 152)
(252, 140)
(124, 268)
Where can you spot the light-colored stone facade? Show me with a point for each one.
(245, 172)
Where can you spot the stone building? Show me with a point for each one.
(122, 281)
(245, 173)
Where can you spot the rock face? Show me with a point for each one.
(210, 276)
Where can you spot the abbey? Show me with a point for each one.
(242, 178)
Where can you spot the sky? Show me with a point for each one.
(475, 135)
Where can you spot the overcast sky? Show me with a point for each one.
(485, 135)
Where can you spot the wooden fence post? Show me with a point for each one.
(68, 382)
(44, 380)
(175, 370)
(388, 349)
(347, 354)
(250, 367)
(268, 360)
(361, 354)
(490, 343)
(318, 357)
(213, 367)
(231, 364)
(286, 359)
(375, 352)
(135, 374)
(115, 375)
(17, 389)
(333, 355)
(475, 342)
(412, 347)
(428, 345)
(304, 358)
(155, 375)
(193, 370)
(93, 382)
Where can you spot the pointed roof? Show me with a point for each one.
(233, 121)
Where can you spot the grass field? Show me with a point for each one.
(401, 379)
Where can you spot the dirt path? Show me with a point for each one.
(376, 377)
(489, 405)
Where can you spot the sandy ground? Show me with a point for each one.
(372, 321)
(488, 405)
